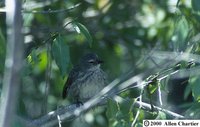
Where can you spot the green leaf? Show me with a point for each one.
(80, 28)
(180, 34)
(125, 108)
(187, 92)
(119, 113)
(195, 86)
(152, 88)
(161, 116)
(37, 60)
(60, 52)
(193, 112)
(112, 109)
(196, 5)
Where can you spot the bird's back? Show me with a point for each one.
(70, 80)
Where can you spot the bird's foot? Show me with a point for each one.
(79, 103)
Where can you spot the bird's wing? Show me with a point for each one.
(72, 76)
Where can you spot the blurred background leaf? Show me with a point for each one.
(196, 5)
(81, 29)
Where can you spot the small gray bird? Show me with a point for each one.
(85, 80)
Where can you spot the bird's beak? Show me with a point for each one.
(100, 61)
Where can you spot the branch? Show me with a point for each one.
(115, 87)
(177, 56)
(13, 63)
(69, 112)
(139, 107)
(52, 11)
(146, 106)
(51, 118)
(3, 10)
(72, 111)
(47, 80)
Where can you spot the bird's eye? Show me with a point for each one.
(91, 61)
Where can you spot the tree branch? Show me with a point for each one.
(115, 87)
(146, 106)
(72, 111)
(52, 11)
(13, 62)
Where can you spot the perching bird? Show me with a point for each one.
(85, 80)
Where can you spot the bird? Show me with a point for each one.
(85, 79)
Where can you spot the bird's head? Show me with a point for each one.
(90, 61)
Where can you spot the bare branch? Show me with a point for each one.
(51, 118)
(46, 12)
(138, 111)
(176, 56)
(13, 62)
(52, 11)
(146, 106)
(72, 111)
(47, 80)
(69, 112)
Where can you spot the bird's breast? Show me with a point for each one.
(89, 84)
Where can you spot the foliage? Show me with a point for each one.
(60, 53)
(125, 34)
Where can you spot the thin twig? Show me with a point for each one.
(59, 121)
(177, 4)
(176, 56)
(51, 11)
(146, 106)
(47, 81)
(35, 5)
(45, 12)
(160, 94)
(55, 34)
(138, 111)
